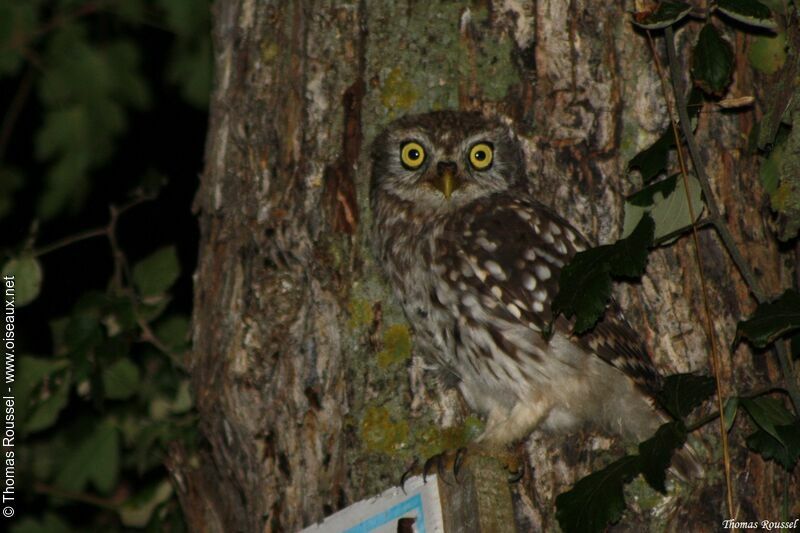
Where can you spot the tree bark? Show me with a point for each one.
(309, 393)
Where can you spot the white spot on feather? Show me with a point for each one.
(529, 282)
(542, 272)
(495, 270)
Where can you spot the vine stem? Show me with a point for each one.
(680, 103)
(753, 284)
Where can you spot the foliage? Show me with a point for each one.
(95, 413)
(586, 281)
(772, 320)
(597, 500)
(89, 82)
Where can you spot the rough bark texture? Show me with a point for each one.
(308, 393)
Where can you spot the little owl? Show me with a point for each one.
(475, 261)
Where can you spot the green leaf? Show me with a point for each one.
(83, 334)
(666, 14)
(45, 413)
(630, 253)
(50, 523)
(681, 393)
(665, 201)
(656, 453)
(31, 372)
(173, 331)
(95, 460)
(750, 12)
(121, 380)
(771, 448)
(729, 412)
(712, 62)
(26, 279)
(137, 511)
(767, 413)
(768, 53)
(598, 499)
(584, 287)
(585, 283)
(157, 272)
(652, 161)
(772, 320)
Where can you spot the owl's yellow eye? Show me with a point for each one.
(480, 156)
(412, 154)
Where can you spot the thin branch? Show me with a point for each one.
(91, 499)
(70, 240)
(680, 104)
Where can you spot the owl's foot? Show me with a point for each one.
(452, 462)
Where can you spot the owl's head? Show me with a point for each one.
(443, 160)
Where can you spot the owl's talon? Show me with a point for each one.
(437, 460)
(458, 462)
(407, 473)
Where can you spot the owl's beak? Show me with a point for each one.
(447, 179)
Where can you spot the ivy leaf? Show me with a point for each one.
(666, 14)
(768, 413)
(750, 12)
(681, 393)
(656, 453)
(95, 460)
(157, 272)
(712, 62)
(665, 201)
(121, 380)
(772, 320)
(598, 499)
(585, 283)
(27, 282)
(769, 447)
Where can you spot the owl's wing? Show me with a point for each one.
(513, 249)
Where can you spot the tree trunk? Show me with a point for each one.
(308, 392)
